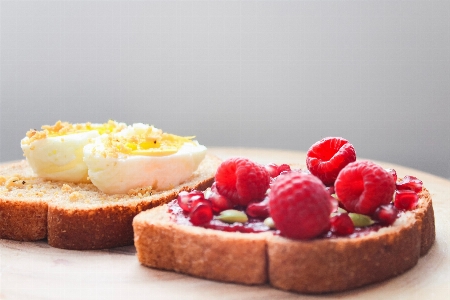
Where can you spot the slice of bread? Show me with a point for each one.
(315, 266)
(78, 216)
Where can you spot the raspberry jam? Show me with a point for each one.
(254, 225)
(359, 232)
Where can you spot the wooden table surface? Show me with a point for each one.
(34, 270)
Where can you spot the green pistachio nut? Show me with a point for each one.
(232, 215)
(360, 220)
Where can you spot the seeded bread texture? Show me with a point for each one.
(78, 216)
(315, 266)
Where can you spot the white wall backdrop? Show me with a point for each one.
(272, 74)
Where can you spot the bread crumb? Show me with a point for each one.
(63, 128)
(74, 196)
(14, 182)
(2, 179)
(141, 192)
(33, 135)
(66, 188)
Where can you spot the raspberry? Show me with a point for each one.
(300, 206)
(327, 157)
(393, 173)
(242, 181)
(363, 186)
(284, 168)
(274, 170)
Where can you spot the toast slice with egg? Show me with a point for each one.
(313, 266)
(78, 215)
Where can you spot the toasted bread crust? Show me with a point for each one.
(16, 212)
(336, 265)
(203, 253)
(315, 266)
(90, 229)
(425, 219)
(95, 221)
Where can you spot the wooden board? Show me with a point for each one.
(34, 270)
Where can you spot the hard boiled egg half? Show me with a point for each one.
(141, 156)
(56, 152)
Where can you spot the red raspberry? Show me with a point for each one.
(300, 206)
(327, 157)
(363, 186)
(393, 173)
(242, 181)
(274, 170)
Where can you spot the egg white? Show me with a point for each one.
(119, 175)
(59, 157)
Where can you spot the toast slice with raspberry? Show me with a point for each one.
(320, 265)
(79, 216)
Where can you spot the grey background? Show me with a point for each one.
(271, 74)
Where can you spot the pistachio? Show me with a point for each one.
(232, 215)
(269, 223)
(360, 220)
